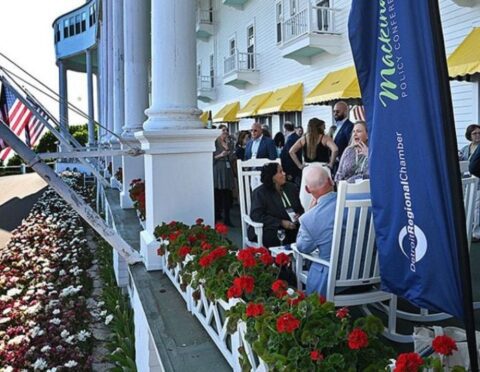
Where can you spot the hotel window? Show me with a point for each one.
(84, 21)
(232, 45)
(77, 24)
(91, 16)
(72, 26)
(212, 72)
(323, 18)
(199, 70)
(279, 19)
(293, 7)
(94, 13)
(251, 47)
(66, 27)
(294, 117)
(57, 32)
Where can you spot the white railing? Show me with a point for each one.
(240, 61)
(10, 170)
(205, 83)
(204, 16)
(313, 19)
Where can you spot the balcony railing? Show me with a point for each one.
(313, 19)
(205, 83)
(204, 16)
(240, 62)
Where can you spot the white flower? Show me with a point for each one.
(45, 349)
(52, 369)
(62, 272)
(103, 313)
(17, 340)
(71, 364)
(64, 333)
(100, 304)
(7, 369)
(40, 364)
(108, 319)
(55, 321)
(83, 335)
(56, 312)
(13, 292)
(70, 340)
(290, 291)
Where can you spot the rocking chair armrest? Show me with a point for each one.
(249, 221)
(309, 256)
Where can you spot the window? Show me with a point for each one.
(84, 21)
(232, 46)
(293, 7)
(66, 24)
(199, 70)
(91, 15)
(72, 26)
(210, 11)
(279, 18)
(250, 47)
(212, 72)
(57, 32)
(323, 15)
(77, 24)
(294, 117)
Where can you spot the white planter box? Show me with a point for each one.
(174, 275)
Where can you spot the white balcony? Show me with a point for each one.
(468, 3)
(310, 32)
(204, 27)
(241, 69)
(206, 89)
(235, 3)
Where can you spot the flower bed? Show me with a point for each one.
(44, 288)
(137, 194)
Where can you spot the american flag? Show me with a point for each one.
(20, 120)
(359, 112)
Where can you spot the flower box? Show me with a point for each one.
(211, 315)
(173, 273)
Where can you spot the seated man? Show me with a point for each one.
(316, 225)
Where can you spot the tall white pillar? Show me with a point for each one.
(178, 159)
(91, 110)
(63, 93)
(108, 4)
(476, 102)
(118, 81)
(137, 51)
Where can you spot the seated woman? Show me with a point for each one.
(472, 134)
(354, 161)
(275, 204)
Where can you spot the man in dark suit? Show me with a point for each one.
(294, 174)
(343, 131)
(260, 146)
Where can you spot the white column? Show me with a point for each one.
(137, 50)
(109, 76)
(476, 102)
(178, 159)
(63, 92)
(118, 82)
(91, 110)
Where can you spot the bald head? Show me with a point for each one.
(317, 180)
(340, 110)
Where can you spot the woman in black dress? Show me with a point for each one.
(275, 203)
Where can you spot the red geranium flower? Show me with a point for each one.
(161, 251)
(192, 239)
(221, 228)
(245, 282)
(199, 221)
(266, 259)
(279, 288)
(342, 313)
(444, 345)
(234, 291)
(184, 250)
(357, 339)
(316, 355)
(254, 310)
(218, 252)
(282, 259)
(408, 362)
(205, 261)
(322, 299)
(287, 323)
(206, 246)
(297, 297)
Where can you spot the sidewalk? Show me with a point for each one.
(17, 195)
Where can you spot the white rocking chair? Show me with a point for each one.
(353, 259)
(248, 179)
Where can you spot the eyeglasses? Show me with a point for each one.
(253, 130)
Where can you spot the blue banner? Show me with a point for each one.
(412, 199)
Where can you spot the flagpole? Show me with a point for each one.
(455, 181)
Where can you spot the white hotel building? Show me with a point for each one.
(160, 63)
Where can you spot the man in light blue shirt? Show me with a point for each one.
(260, 147)
(316, 225)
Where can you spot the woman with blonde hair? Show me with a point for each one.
(354, 161)
(317, 147)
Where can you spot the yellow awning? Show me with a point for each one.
(465, 60)
(252, 106)
(227, 114)
(204, 117)
(340, 84)
(284, 100)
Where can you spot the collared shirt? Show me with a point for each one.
(255, 146)
(339, 126)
